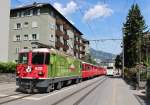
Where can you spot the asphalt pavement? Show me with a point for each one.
(98, 91)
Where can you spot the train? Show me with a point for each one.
(45, 69)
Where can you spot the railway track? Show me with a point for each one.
(84, 96)
(13, 97)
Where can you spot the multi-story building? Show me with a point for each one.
(4, 31)
(41, 22)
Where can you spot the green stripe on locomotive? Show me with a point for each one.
(63, 66)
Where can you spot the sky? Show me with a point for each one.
(96, 19)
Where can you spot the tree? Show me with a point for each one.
(118, 62)
(133, 30)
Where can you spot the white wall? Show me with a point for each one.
(4, 29)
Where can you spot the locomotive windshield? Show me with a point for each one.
(23, 58)
(40, 58)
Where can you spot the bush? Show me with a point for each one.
(8, 67)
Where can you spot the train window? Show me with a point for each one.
(37, 58)
(109, 67)
(23, 58)
(47, 59)
(88, 68)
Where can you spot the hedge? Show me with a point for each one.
(7, 67)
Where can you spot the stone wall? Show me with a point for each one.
(7, 77)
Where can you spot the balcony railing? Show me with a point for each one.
(65, 47)
(66, 26)
(82, 52)
(59, 33)
(77, 42)
(58, 44)
(66, 37)
(59, 21)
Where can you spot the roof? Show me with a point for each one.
(86, 41)
(39, 5)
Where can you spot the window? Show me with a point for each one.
(65, 42)
(33, 47)
(25, 37)
(57, 27)
(18, 14)
(25, 47)
(35, 12)
(26, 24)
(38, 12)
(34, 24)
(52, 14)
(17, 50)
(18, 38)
(23, 58)
(26, 13)
(57, 38)
(18, 25)
(37, 58)
(65, 31)
(34, 36)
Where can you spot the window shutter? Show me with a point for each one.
(38, 12)
(30, 36)
(37, 36)
(31, 12)
(14, 38)
(15, 26)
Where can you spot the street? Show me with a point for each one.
(98, 91)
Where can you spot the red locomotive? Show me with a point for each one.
(46, 69)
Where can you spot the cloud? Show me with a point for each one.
(98, 11)
(70, 8)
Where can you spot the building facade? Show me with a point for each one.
(41, 22)
(4, 31)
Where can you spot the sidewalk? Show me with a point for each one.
(126, 96)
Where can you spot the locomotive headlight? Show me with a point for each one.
(18, 72)
(40, 73)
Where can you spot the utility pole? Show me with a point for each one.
(123, 53)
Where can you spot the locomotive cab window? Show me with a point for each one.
(37, 58)
(40, 58)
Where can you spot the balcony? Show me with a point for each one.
(77, 34)
(59, 33)
(77, 42)
(65, 47)
(82, 52)
(82, 44)
(76, 50)
(59, 21)
(66, 26)
(66, 37)
(58, 44)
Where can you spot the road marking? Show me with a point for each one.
(114, 93)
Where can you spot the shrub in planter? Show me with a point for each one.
(7, 67)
